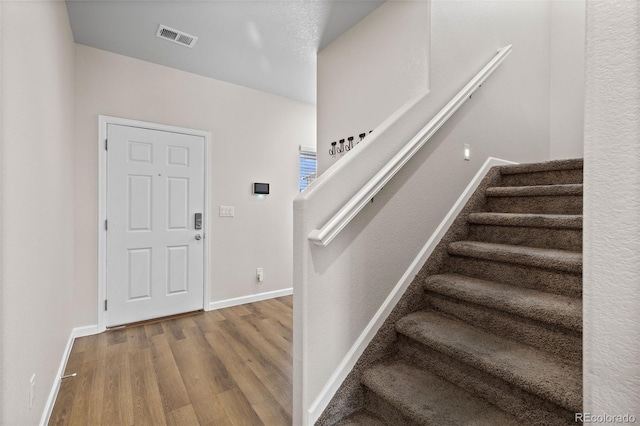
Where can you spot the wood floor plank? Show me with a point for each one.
(280, 358)
(89, 382)
(226, 367)
(275, 380)
(116, 337)
(240, 310)
(117, 406)
(67, 391)
(273, 309)
(264, 364)
(64, 405)
(256, 362)
(137, 339)
(171, 328)
(238, 409)
(95, 389)
(211, 367)
(201, 385)
(281, 390)
(285, 300)
(95, 347)
(268, 328)
(146, 398)
(172, 391)
(153, 329)
(182, 416)
(234, 315)
(243, 376)
(271, 413)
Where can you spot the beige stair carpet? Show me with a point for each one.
(490, 331)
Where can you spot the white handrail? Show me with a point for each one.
(328, 232)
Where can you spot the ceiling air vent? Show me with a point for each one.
(176, 36)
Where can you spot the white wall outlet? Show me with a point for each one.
(32, 390)
(467, 151)
(227, 211)
(259, 274)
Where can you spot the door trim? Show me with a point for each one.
(103, 122)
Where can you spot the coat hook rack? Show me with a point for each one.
(338, 148)
(332, 151)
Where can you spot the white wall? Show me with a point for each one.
(339, 288)
(1, 216)
(255, 138)
(611, 209)
(567, 78)
(37, 201)
(374, 68)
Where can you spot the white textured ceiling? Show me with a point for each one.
(266, 45)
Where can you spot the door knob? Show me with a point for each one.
(198, 237)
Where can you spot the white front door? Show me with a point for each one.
(155, 254)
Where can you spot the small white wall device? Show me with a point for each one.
(260, 188)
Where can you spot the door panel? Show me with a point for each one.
(139, 273)
(140, 202)
(155, 186)
(178, 274)
(178, 203)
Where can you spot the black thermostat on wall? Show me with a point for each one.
(260, 188)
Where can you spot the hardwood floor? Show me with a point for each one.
(232, 366)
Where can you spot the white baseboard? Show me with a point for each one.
(349, 361)
(249, 299)
(75, 332)
(87, 330)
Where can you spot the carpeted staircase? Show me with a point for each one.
(497, 338)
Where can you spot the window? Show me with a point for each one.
(308, 167)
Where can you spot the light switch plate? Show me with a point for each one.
(227, 211)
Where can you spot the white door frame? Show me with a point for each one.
(103, 121)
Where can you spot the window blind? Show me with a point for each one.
(308, 167)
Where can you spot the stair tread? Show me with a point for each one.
(535, 190)
(361, 418)
(537, 305)
(562, 260)
(427, 399)
(546, 166)
(533, 220)
(521, 365)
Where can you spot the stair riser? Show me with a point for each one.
(528, 408)
(563, 283)
(384, 410)
(553, 177)
(566, 344)
(563, 239)
(562, 204)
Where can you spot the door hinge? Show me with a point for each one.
(105, 304)
(106, 225)
(106, 144)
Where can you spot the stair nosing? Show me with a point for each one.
(384, 392)
(527, 220)
(557, 190)
(525, 310)
(492, 365)
(547, 166)
(522, 255)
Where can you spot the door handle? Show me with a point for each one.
(198, 237)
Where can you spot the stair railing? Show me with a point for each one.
(323, 236)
